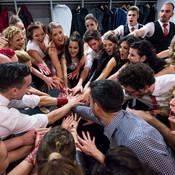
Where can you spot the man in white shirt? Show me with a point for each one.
(138, 82)
(161, 32)
(15, 80)
(132, 24)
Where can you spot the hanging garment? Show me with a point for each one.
(78, 23)
(99, 15)
(4, 20)
(143, 14)
(118, 18)
(106, 19)
(63, 15)
(25, 16)
(152, 14)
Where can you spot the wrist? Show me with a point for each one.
(51, 74)
(36, 63)
(61, 100)
(152, 112)
(79, 84)
(98, 156)
(30, 158)
(79, 66)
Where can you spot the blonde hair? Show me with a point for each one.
(53, 25)
(9, 33)
(14, 19)
(171, 55)
(23, 57)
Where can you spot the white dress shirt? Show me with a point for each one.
(149, 28)
(162, 86)
(120, 29)
(14, 122)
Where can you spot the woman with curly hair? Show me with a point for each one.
(15, 38)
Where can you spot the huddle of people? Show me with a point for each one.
(115, 98)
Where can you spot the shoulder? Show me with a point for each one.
(31, 45)
(51, 47)
(170, 77)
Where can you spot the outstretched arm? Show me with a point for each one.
(163, 54)
(82, 78)
(163, 129)
(166, 70)
(26, 139)
(106, 71)
(27, 165)
(114, 76)
(55, 61)
(60, 112)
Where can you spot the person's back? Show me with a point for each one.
(124, 128)
(146, 142)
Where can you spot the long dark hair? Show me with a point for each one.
(76, 38)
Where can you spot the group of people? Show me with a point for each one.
(117, 92)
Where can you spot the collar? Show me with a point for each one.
(161, 23)
(113, 125)
(4, 101)
(136, 26)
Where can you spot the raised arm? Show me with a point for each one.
(114, 76)
(106, 71)
(167, 70)
(55, 61)
(64, 70)
(162, 128)
(79, 86)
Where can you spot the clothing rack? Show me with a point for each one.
(82, 2)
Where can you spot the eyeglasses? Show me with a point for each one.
(129, 92)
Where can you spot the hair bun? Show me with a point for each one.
(76, 34)
(54, 156)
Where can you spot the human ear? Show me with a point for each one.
(143, 59)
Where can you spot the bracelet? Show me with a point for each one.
(61, 101)
(31, 156)
(152, 112)
(51, 74)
